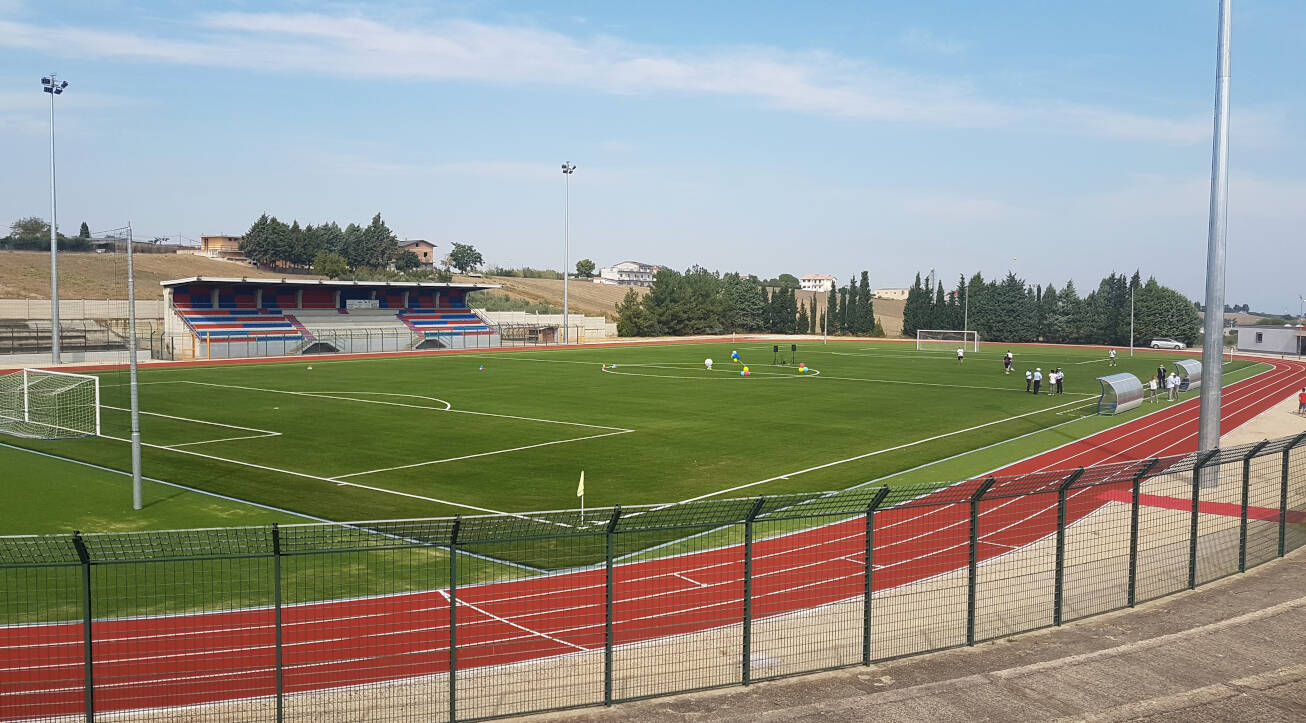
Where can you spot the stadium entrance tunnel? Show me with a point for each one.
(431, 344)
(1120, 393)
(320, 347)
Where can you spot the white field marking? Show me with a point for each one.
(305, 475)
(687, 579)
(171, 484)
(223, 439)
(546, 636)
(480, 454)
(854, 458)
(197, 421)
(763, 374)
(448, 407)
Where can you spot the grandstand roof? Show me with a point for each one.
(266, 281)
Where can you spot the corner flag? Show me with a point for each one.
(580, 489)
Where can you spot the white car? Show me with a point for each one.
(1168, 344)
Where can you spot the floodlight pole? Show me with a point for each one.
(53, 86)
(965, 310)
(1208, 437)
(131, 366)
(1131, 322)
(568, 168)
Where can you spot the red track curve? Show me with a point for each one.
(206, 657)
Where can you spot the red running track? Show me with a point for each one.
(186, 659)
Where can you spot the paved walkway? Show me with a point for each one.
(1233, 650)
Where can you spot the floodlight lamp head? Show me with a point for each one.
(46, 81)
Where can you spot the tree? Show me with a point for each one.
(916, 311)
(329, 264)
(788, 281)
(407, 261)
(465, 257)
(832, 311)
(84, 231)
(804, 321)
(585, 268)
(31, 228)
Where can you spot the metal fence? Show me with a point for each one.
(489, 616)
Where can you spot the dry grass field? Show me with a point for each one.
(26, 274)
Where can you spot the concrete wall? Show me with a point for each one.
(591, 326)
(70, 309)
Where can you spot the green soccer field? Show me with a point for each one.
(505, 431)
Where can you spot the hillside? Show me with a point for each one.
(26, 274)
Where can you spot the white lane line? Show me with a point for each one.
(523, 628)
(689, 580)
(479, 454)
(196, 421)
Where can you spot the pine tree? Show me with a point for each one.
(804, 322)
(832, 310)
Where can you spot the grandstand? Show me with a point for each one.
(231, 318)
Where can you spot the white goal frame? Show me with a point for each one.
(950, 338)
(19, 416)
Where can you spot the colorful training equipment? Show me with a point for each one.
(310, 367)
(745, 369)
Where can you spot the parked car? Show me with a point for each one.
(1168, 344)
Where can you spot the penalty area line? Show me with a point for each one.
(480, 454)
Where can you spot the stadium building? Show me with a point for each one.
(231, 318)
(1272, 339)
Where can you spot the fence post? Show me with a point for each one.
(1283, 493)
(1059, 587)
(748, 589)
(87, 671)
(608, 591)
(972, 571)
(276, 620)
(1197, 496)
(1247, 489)
(1133, 528)
(453, 617)
(880, 494)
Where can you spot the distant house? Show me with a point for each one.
(425, 250)
(898, 294)
(221, 247)
(629, 273)
(816, 282)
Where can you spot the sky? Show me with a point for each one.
(1056, 140)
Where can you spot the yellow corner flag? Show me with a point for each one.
(580, 489)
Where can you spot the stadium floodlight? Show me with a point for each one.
(1208, 426)
(946, 339)
(52, 85)
(568, 168)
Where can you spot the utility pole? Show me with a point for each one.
(1208, 437)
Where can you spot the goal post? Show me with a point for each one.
(946, 340)
(45, 404)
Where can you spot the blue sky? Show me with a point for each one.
(1060, 140)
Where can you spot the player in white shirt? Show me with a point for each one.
(1038, 378)
(1006, 363)
(961, 355)
(1111, 358)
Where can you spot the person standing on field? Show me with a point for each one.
(1152, 386)
(1029, 379)
(1301, 401)
(1172, 387)
(1111, 358)
(1060, 376)
(1006, 363)
(961, 355)
(1038, 378)
(1160, 376)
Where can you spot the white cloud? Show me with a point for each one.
(818, 83)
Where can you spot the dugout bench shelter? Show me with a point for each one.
(1120, 393)
(1190, 373)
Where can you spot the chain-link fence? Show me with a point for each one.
(489, 616)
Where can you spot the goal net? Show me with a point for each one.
(946, 340)
(46, 404)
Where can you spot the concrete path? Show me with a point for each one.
(1233, 650)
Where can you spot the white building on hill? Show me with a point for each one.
(629, 273)
(816, 282)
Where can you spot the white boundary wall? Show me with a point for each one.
(591, 326)
(70, 309)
